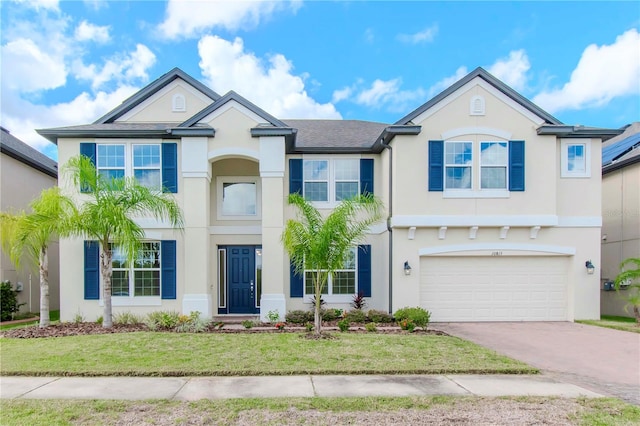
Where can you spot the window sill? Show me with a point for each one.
(134, 301)
(485, 193)
(335, 298)
(569, 175)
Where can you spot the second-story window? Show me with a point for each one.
(458, 160)
(147, 165)
(316, 180)
(331, 181)
(111, 161)
(494, 159)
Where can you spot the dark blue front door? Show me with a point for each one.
(241, 278)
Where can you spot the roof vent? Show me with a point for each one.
(179, 103)
(476, 106)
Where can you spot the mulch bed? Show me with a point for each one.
(87, 328)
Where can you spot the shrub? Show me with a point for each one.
(299, 317)
(247, 324)
(78, 318)
(8, 301)
(126, 318)
(273, 316)
(407, 324)
(379, 316)
(280, 325)
(191, 323)
(356, 315)
(331, 314)
(99, 320)
(343, 325)
(309, 327)
(162, 320)
(419, 316)
(371, 327)
(358, 301)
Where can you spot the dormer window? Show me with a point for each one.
(179, 103)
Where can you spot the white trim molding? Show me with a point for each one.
(460, 249)
(464, 131)
(580, 221)
(442, 233)
(406, 221)
(503, 232)
(235, 230)
(473, 231)
(234, 152)
(533, 234)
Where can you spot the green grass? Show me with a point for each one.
(617, 323)
(591, 412)
(54, 317)
(210, 354)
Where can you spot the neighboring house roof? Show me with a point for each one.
(486, 76)
(150, 90)
(15, 148)
(622, 150)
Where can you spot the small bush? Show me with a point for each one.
(407, 324)
(162, 320)
(191, 323)
(371, 327)
(309, 327)
(331, 314)
(299, 317)
(126, 318)
(99, 320)
(273, 316)
(343, 325)
(419, 316)
(379, 316)
(78, 318)
(8, 301)
(247, 324)
(356, 315)
(359, 302)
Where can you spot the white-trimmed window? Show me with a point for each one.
(458, 163)
(110, 161)
(147, 165)
(329, 181)
(575, 159)
(494, 160)
(343, 283)
(142, 279)
(238, 197)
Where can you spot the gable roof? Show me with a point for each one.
(228, 97)
(335, 135)
(622, 150)
(486, 76)
(151, 89)
(15, 148)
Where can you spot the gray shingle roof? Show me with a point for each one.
(15, 148)
(131, 130)
(346, 134)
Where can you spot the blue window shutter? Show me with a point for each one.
(295, 282)
(88, 150)
(436, 165)
(516, 165)
(364, 270)
(170, 167)
(91, 270)
(295, 176)
(168, 269)
(366, 176)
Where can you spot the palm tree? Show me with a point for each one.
(107, 215)
(627, 278)
(321, 244)
(29, 235)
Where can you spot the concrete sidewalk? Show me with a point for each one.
(195, 388)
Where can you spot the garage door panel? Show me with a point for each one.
(494, 288)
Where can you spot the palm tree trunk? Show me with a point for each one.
(636, 312)
(44, 288)
(317, 317)
(105, 267)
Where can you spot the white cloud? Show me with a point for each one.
(512, 70)
(27, 68)
(369, 36)
(124, 68)
(381, 94)
(90, 32)
(424, 36)
(188, 18)
(269, 83)
(40, 4)
(85, 108)
(447, 81)
(341, 94)
(603, 73)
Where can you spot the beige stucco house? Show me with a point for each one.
(24, 173)
(493, 204)
(620, 212)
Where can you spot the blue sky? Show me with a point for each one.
(69, 62)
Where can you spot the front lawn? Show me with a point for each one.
(617, 323)
(209, 354)
(308, 411)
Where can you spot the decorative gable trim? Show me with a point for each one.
(464, 84)
(153, 88)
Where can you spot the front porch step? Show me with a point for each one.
(235, 318)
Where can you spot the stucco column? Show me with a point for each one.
(196, 181)
(272, 160)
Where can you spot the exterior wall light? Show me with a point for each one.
(590, 267)
(407, 268)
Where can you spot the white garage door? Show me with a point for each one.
(510, 288)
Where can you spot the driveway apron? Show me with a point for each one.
(600, 359)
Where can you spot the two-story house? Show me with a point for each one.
(493, 204)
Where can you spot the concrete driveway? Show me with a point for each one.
(600, 359)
